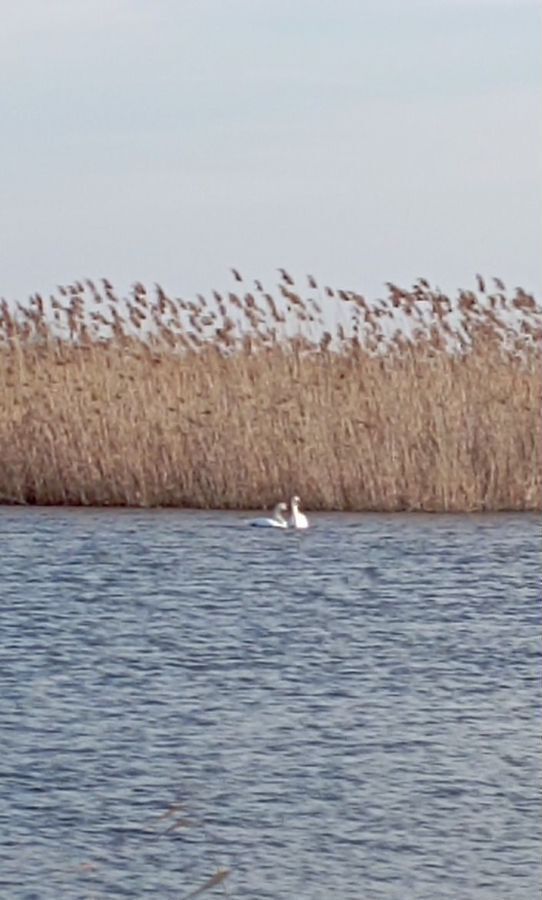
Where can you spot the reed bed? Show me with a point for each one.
(417, 401)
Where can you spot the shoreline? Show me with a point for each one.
(373, 511)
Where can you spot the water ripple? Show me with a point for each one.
(346, 713)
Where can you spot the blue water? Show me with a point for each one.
(350, 713)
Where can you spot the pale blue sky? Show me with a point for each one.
(164, 140)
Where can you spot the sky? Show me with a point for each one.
(362, 141)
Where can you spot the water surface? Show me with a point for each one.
(347, 713)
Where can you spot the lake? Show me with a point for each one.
(352, 712)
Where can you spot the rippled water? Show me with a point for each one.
(348, 713)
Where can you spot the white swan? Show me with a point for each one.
(277, 520)
(297, 518)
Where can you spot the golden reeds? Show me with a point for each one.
(416, 402)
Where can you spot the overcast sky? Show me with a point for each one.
(165, 140)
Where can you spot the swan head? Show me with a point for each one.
(281, 507)
(295, 501)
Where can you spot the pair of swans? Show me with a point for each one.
(297, 518)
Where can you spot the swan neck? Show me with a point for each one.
(277, 514)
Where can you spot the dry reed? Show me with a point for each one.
(414, 402)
